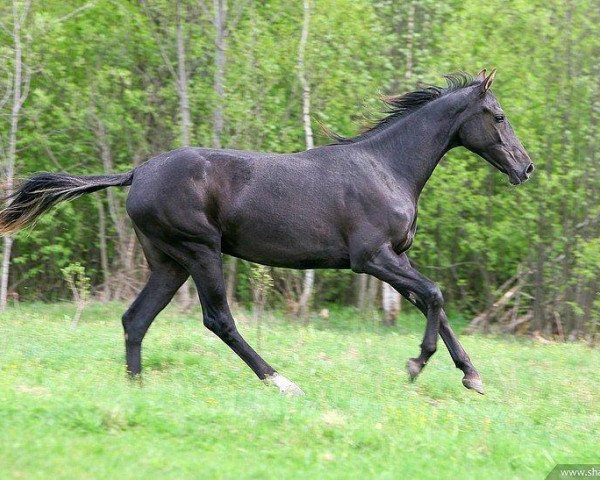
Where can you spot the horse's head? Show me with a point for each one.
(485, 131)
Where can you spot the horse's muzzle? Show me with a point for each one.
(517, 177)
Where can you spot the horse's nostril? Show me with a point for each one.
(529, 169)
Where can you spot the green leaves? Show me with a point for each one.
(105, 64)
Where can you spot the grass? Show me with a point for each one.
(67, 410)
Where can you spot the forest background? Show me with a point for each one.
(101, 86)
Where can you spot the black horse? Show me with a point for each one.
(352, 204)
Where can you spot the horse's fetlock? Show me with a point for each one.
(133, 338)
(430, 348)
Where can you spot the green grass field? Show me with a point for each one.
(67, 410)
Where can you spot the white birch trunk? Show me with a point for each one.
(103, 248)
(185, 292)
(390, 299)
(182, 82)
(410, 40)
(361, 291)
(18, 97)
(309, 275)
(220, 26)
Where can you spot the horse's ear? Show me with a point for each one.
(487, 81)
(481, 75)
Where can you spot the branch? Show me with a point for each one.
(26, 8)
(159, 44)
(204, 8)
(26, 83)
(3, 27)
(7, 94)
(74, 12)
(2, 150)
(45, 144)
(238, 15)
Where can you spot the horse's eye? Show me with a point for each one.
(499, 118)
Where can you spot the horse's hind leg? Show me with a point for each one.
(205, 265)
(165, 279)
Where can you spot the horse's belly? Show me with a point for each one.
(289, 244)
(286, 261)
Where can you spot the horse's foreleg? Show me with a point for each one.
(398, 272)
(165, 279)
(460, 357)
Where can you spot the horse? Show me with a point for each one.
(351, 204)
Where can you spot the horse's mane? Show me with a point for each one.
(402, 105)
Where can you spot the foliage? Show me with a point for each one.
(102, 89)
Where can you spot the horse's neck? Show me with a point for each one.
(412, 146)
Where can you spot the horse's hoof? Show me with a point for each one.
(285, 386)
(414, 368)
(473, 383)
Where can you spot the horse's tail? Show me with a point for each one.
(39, 193)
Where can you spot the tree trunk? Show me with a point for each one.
(8, 242)
(361, 291)
(390, 300)
(220, 24)
(309, 275)
(115, 209)
(372, 290)
(18, 97)
(410, 36)
(218, 113)
(390, 297)
(182, 82)
(185, 292)
(230, 280)
(103, 248)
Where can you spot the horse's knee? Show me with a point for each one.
(434, 298)
(133, 334)
(126, 322)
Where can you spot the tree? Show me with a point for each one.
(223, 24)
(17, 92)
(180, 77)
(309, 275)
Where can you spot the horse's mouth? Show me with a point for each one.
(499, 167)
(514, 179)
(514, 176)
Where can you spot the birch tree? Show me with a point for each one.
(309, 275)
(180, 78)
(16, 94)
(390, 298)
(224, 22)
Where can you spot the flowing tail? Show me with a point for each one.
(39, 193)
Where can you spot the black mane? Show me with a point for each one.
(402, 105)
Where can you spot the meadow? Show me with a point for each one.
(67, 410)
